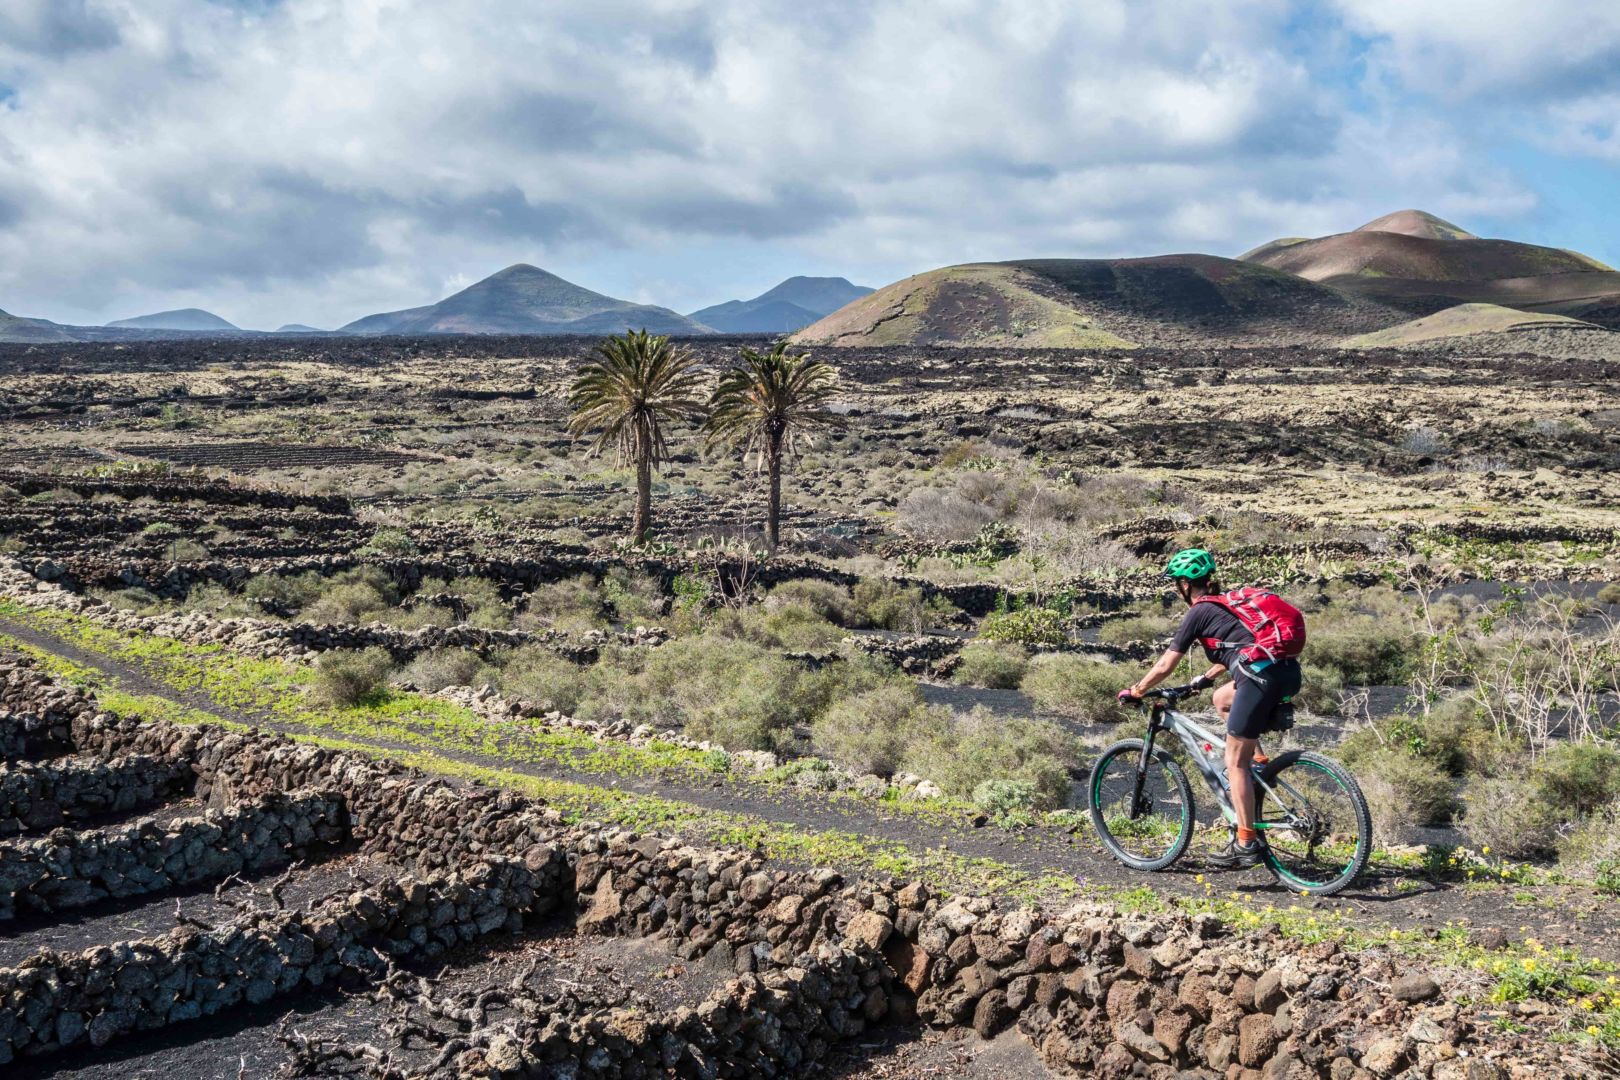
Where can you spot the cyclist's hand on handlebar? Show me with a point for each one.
(1203, 682)
(1126, 697)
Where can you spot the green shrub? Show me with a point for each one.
(55, 495)
(982, 746)
(782, 624)
(871, 731)
(1403, 791)
(344, 677)
(1575, 779)
(1456, 737)
(856, 673)
(831, 601)
(289, 590)
(1610, 593)
(1506, 815)
(438, 668)
(735, 693)
(635, 598)
(996, 665)
(1365, 653)
(389, 541)
(162, 530)
(1025, 626)
(540, 676)
(1150, 628)
(1321, 691)
(1078, 687)
(350, 602)
(1005, 799)
(571, 604)
(883, 604)
(218, 601)
(134, 599)
(1591, 851)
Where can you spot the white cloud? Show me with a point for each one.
(314, 160)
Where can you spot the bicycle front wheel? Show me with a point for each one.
(1315, 820)
(1145, 818)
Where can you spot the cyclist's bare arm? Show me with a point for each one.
(1158, 673)
(1167, 664)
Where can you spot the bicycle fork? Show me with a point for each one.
(1139, 805)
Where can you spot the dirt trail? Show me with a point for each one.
(1555, 915)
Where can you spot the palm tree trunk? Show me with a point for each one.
(773, 504)
(642, 523)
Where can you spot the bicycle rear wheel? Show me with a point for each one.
(1146, 828)
(1316, 824)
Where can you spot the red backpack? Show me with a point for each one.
(1278, 626)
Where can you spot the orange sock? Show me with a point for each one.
(1247, 836)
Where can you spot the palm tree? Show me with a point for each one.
(764, 404)
(636, 385)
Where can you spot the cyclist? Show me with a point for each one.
(1248, 704)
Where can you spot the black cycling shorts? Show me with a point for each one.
(1257, 696)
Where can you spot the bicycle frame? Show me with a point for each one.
(1211, 763)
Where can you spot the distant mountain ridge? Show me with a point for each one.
(1421, 264)
(191, 319)
(791, 305)
(14, 328)
(524, 299)
(1326, 291)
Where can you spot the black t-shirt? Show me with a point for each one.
(1212, 621)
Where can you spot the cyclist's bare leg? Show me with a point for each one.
(1222, 700)
(1239, 756)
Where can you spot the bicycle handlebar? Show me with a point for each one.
(1169, 694)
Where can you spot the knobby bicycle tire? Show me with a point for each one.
(1178, 778)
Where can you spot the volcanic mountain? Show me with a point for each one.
(191, 319)
(1098, 303)
(795, 303)
(1421, 264)
(524, 299)
(13, 328)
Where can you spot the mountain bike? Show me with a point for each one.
(1311, 813)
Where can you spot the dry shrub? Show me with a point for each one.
(886, 605)
(1505, 814)
(943, 516)
(439, 668)
(871, 732)
(982, 746)
(571, 604)
(540, 676)
(1403, 792)
(827, 599)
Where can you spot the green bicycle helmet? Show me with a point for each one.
(1194, 564)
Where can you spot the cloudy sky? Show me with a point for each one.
(317, 160)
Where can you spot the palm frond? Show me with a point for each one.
(635, 385)
(771, 395)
